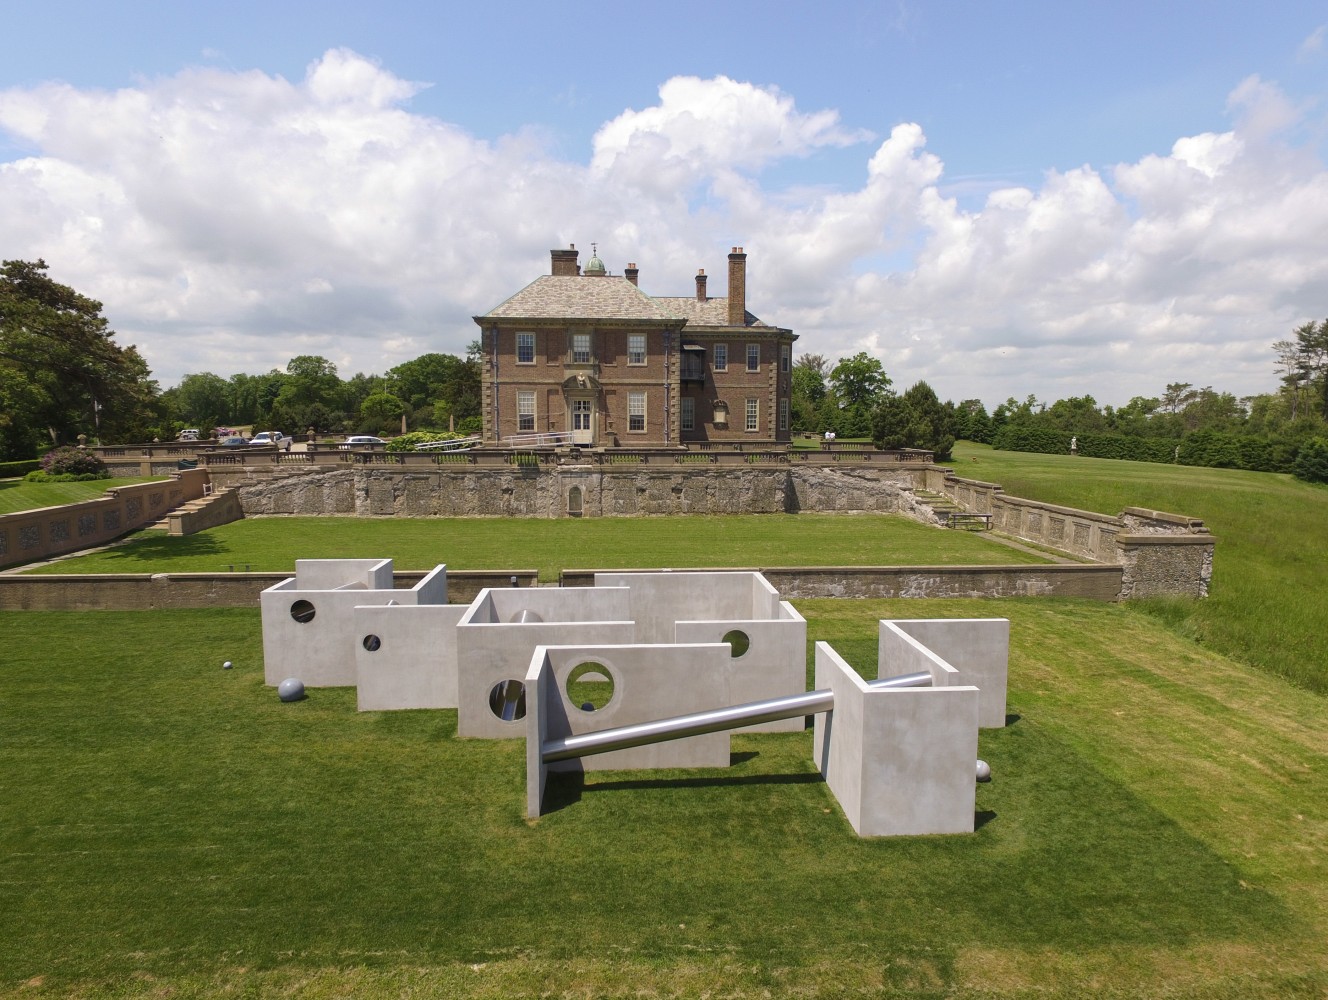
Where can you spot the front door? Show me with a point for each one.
(583, 422)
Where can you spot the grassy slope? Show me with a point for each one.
(551, 545)
(16, 495)
(1270, 574)
(1158, 826)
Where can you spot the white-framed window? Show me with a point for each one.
(753, 414)
(525, 348)
(688, 414)
(785, 358)
(636, 349)
(580, 348)
(721, 415)
(753, 357)
(783, 414)
(636, 411)
(721, 355)
(525, 410)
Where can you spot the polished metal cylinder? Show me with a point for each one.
(714, 721)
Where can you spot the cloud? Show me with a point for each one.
(1312, 45)
(231, 220)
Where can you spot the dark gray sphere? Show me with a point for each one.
(291, 689)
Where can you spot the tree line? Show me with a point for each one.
(63, 379)
(62, 376)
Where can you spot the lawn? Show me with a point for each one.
(17, 495)
(1270, 570)
(274, 543)
(1157, 826)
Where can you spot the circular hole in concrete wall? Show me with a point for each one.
(507, 700)
(372, 643)
(738, 642)
(302, 611)
(590, 686)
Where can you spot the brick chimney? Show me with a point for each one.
(630, 272)
(701, 285)
(737, 287)
(564, 262)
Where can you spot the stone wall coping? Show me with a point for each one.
(1085, 515)
(973, 482)
(1193, 523)
(1204, 539)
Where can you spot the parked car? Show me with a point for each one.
(233, 442)
(361, 441)
(190, 434)
(280, 440)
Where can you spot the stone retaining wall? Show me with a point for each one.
(1101, 583)
(1159, 553)
(32, 535)
(574, 491)
(146, 591)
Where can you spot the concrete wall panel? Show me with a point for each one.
(979, 648)
(405, 657)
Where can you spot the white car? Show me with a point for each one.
(362, 441)
(272, 439)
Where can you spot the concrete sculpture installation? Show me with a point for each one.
(655, 670)
(900, 754)
(309, 622)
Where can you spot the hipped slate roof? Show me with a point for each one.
(581, 297)
(711, 312)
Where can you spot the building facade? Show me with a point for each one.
(590, 356)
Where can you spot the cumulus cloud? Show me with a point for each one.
(231, 220)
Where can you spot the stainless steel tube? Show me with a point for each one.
(713, 721)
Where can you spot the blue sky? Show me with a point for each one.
(496, 132)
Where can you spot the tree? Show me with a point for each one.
(972, 422)
(203, 400)
(1312, 461)
(917, 419)
(807, 391)
(1312, 354)
(859, 380)
(310, 381)
(381, 411)
(1178, 396)
(448, 384)
(61, 372)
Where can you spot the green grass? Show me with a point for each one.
(1157, 826)
(1270, 569)
(17, 495)
(274, 543)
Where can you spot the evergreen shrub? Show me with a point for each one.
(1312, 461)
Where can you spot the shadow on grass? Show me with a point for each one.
(153, 547)
(566, 788)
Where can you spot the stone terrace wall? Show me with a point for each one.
(1159, 553)
(559, 491)
(39, 534)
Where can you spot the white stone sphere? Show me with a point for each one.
(291, 689)
(227, 665)
(984, 771)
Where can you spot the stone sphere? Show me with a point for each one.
(227, 665)
(984, 771)
(291, 689)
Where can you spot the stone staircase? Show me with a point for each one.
(219, 507)
(941, 505)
